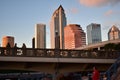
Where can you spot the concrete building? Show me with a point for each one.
(40, 36)
(57, 24)
(93, 33)
(114, 33)
(74, 36)
(6, 40)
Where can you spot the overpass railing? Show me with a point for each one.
(58, 53)
(114, 71)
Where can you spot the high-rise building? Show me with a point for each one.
(33, 42)
(6, 40)
(57, 24)
(40, 36)
(93, 33)
(74, 36)
(114, 33)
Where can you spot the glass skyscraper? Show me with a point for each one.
(57, 24)
(93, 33)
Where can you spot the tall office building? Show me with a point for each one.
(6, 40)
(57, 24)
(33, 42)
(74, 36)
(114, 33)
(93, 33)
(40, 36)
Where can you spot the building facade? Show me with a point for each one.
(114, 33)
(93, 33)
(6, 40)
(74, 36)
(40, 36)
(57, 24)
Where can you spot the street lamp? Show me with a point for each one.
(57, 47)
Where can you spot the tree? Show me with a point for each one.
(109, 46)
(117, 46)
(112, 46)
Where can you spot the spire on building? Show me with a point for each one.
(60, 7)
(113, 33)
(113, 28)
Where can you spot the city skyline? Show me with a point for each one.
(19, 21)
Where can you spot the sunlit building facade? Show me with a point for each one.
(57, 24)
(94, 33)
(114, 33)
(6, 40)
(40, 36)
(74, 36)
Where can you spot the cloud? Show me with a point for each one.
(74, 10)
(92, 3)
(109, 12)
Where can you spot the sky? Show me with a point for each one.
(18, 17)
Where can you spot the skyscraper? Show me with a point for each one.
(74, 36)
(40, 36)
(57, 24)
(93, 33)
(6, 40)
(114, 33)
(33, 42)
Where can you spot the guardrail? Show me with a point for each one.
(58, 53)
(114, 71)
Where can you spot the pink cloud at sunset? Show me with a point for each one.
(98, 2)
(109, 12)
(74, 10)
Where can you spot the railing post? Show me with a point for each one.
(14, 50)
(2, 51)
(24, 49)
(108, 75)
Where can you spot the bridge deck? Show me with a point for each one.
(54, 60)
(47, 60)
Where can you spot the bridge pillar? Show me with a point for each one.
(98, 48)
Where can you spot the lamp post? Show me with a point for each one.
(57, 47)
(57, 40)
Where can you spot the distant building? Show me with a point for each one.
(57, 24)
(74, 36)
(114, 33)
(33, 42)
(40, 36)
(6, 40)
(93, 33)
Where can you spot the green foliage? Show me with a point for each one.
(112, 46)
(117, 47)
